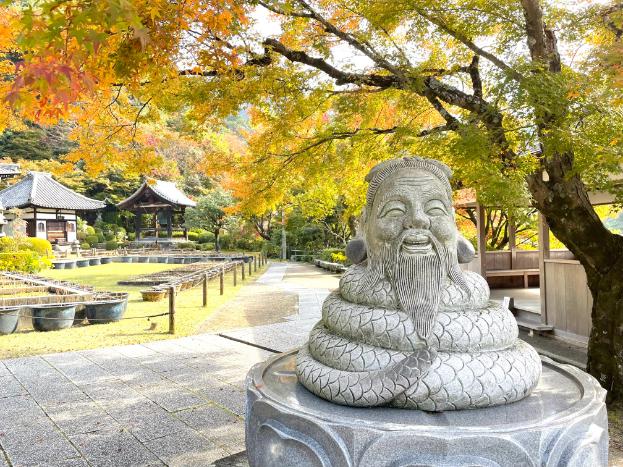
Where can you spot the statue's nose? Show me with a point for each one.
(418, 220)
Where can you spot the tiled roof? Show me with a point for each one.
(165, 190)
(40, 189)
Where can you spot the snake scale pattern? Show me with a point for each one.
(365, 351)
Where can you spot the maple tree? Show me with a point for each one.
(331, 87)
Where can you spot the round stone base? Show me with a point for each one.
(562, 423)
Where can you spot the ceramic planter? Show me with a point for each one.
(105, 311)
(153, 295)
(53, 317)
(9, 318)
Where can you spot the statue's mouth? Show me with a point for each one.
(414, 244)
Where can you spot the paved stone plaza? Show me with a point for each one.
(175, 402)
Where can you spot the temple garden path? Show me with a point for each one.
(171, 402)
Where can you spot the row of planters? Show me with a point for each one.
(104, 308)
(84, 262)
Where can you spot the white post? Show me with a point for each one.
(284, 246)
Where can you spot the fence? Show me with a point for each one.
(65, 293)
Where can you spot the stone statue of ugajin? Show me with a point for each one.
(407, 327)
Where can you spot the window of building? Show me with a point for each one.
(41, 227)
(71, 227)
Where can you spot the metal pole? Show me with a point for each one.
(172, 310)
(205, 290)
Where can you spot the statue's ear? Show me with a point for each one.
(465, 250)
(356, 250)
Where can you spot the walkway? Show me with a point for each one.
(177, 402)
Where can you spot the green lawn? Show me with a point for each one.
(189, 312)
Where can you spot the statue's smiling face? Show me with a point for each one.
(410, 206)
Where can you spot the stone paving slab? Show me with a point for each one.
(173, 402)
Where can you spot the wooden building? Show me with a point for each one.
(565, 299)
(49, 208)
(163, 203)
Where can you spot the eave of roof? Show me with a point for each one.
(41, 190)
(165, 191)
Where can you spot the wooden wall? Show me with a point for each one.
(568, 300)
(523, 259)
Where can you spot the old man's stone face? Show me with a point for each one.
(411, 207)
(411, 240)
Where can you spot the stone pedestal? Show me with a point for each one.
(562, 423)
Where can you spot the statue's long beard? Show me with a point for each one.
(417, 279)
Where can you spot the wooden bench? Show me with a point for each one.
(514, 272)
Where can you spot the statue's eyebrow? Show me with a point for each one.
(393, 193)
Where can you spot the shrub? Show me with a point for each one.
(327, 253)
(206, 237)
(193, 236)
(85, 245)
(131, 236)
(186, 246)
(108, 236)
(206, 246)
(338, 257)
(90, 230)
(39, 245)
(91, 239)
(25, 261)
(271, 250)
(8, 244)
(100, 236)
(111, 245)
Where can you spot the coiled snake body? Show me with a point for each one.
(365, 352)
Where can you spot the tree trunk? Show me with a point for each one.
(563, 200)
(217, 241)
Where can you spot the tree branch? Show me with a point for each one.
(471, 45)
(341, 77)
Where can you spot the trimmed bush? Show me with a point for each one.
(187, 246)
(85, 245)
(92, 239)
(131, 236)
(206, 246)
(39, 245)
(24, 261)
(90, 230)
(111, 245)
(24, 254)
(193, 236)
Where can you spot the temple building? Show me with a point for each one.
(158, 206)
(49, 208)
(8, 170)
